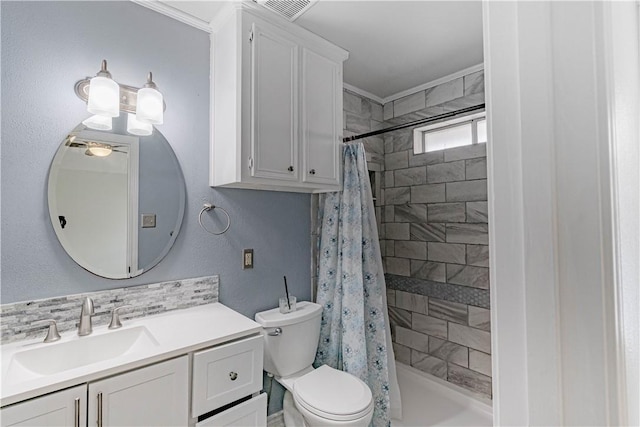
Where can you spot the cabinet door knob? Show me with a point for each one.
(312, 171)
(233, 375)
(290, 168)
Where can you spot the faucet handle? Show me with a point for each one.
(52, 332)
(115, 317)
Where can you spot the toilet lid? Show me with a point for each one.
(333, 394)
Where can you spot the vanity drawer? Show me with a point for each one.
(226, 373)
(252, 413)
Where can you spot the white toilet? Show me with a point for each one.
(323, 396)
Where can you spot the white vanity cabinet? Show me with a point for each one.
(276, 104)
(62, 408)
(157, 395)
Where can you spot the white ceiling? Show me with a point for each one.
(394, 45)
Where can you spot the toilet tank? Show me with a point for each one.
(294, 349)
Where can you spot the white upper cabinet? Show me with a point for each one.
(276, 93)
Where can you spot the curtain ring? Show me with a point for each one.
(208, 207)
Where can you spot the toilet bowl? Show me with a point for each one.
(324, 396)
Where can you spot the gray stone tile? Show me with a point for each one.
(480, 318)
(387, 111)
(429, 364)
(383, 248)
(413, 302)
(448, 351)
(391, 297)
(428, 270)
(399, 317)
(376, 112)
(366, 108)
(374, 145)
(429, 325)
(467, 191)
(480, 362)
(445, 92)
(357, 124)
(411, 249)
(471, 380)
(446, 212)
(468, 275)
(388, 179)
(397, 195)
(352, 102)
(399, 160)
(409, 104)
(429, 193)
(410, 176)
(390, 249)
(477, 212)
(474, 83)
(399, 140)
(402, 354)
(425, 159)
(448, 310)
(478, 255)
(446, 172)
(463, 102)
(466, 152)
(447, 252)
(410, 213)
(412, 339)
(428, 232)
(476, 168)
(389, 214)
(399, 266)
(470, 337)
(377, 125)
(468, 233)
(397, 231)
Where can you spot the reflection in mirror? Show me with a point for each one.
(116, 201)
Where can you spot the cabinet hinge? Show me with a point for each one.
(250, 36)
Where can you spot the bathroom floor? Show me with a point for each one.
(428, 401)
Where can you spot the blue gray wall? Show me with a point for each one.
(46, 48)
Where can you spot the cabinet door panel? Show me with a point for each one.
(321, 99)
(274, 93)
(153, 396)
(63, 408)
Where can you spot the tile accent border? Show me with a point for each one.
(17, 319)
(445, 291)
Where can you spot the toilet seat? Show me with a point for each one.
(333, 394)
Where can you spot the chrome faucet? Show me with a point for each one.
(85, 327)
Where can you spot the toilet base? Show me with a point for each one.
(292, 417)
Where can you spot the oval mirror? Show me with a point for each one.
(116, 200)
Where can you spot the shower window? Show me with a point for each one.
(453, 133)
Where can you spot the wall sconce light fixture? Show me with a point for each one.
(106, 98)
(98, 122)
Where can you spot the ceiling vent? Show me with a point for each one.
(290, 9)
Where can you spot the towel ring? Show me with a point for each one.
(208, 207)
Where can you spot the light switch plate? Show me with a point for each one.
(247, 258)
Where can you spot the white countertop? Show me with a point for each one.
(176, 333)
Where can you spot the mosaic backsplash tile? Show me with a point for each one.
(17, 319)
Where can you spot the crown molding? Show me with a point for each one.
(364, 93)
(174, 13)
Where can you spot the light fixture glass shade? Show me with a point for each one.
(98, 149)
(149, 107)
(98, 122)
(136, 127)
(104, 97)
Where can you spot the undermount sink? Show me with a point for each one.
(62, 356)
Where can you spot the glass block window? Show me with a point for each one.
(452, 133)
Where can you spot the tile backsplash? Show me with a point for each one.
(17, 319)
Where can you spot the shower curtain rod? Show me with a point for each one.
(415, 122)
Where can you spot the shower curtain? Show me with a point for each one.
(355, 335)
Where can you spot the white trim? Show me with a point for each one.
(132, 223)
(364, 93)
(174, 13)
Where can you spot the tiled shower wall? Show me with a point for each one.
(432, 212)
